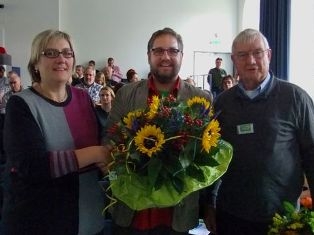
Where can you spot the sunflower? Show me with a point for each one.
(198, 100)
(153, 107)
(131, 117)
(211, 135)
(149, 139)
(205, 107)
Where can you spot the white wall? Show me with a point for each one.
(118, 28)
(21, 21)
(302, 46)
(121, 28)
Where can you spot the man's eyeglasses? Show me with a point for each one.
(258, 54)
(54, 53)
(172, 52)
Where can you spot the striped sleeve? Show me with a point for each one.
(62, 163)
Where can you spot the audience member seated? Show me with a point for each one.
(90, 85)
(106, 95)
(191, 81)
(114, 71)
(100, 78)
(132, 76)
(107, 72)
(118, 86)
(227, 82)
(78, 75)
(93, 64)
(15, 85)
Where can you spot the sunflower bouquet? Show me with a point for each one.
(165, 152)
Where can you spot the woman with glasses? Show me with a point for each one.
(53, 149)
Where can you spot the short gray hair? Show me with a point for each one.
(249, 35)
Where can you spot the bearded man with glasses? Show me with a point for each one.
(165, 53)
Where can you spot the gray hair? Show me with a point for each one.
(249, 35)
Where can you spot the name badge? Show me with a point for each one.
(244, 129)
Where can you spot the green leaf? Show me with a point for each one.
(153, 168)
(178, 184)
(173, 166)
(206, 160)
(289, 208)
(186, 158)
(196, 173)
(214, 150)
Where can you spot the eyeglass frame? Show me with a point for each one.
(63, 52)
(257, 54)
(171, 51)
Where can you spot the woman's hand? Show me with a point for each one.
(93, 155)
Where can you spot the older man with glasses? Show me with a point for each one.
(270, 124)
(89, 84)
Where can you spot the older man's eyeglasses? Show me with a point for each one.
(258, 54)
(54, 53)
(159, 51)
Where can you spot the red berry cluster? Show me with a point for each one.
(165, 111)
(188, 119)
(179, 143)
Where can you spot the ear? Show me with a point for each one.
(269, 52)
(232, 58)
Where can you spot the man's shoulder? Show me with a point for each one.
(4, 81)
(188, 90)
(289, 89)
(80, 85)
(97, 86)
(212, 70)
(142, 84)
(8, 94)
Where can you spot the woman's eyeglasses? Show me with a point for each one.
(54, 53)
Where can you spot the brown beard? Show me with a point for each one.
(165, 79)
